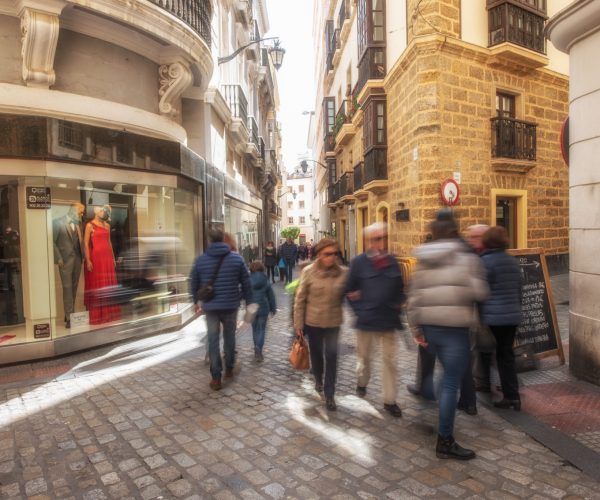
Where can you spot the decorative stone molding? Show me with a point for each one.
(39, 36)
(174, 78)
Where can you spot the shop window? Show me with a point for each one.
(243, 223)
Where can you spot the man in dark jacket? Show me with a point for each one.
(289, 253)
(376, 293)
(222, 309)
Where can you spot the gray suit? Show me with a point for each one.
(68, 248)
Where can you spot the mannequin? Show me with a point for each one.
(68, 254)
(100, 273)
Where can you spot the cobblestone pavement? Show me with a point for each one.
(138, 420)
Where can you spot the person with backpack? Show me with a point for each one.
(215, 279)
(265, 298)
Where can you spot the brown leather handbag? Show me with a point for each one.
(299, 354)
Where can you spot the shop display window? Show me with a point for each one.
(92, 254)
(243, 223)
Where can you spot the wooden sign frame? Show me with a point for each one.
(517, 252)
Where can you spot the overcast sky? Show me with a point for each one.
(291, 21)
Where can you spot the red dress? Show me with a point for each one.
(101, 278)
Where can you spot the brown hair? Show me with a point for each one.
(230, 240)
(324, 243)
(256, 266)
(495, 237)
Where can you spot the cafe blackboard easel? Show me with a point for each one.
(538, 326)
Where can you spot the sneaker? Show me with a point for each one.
(330, 404)
(215, 384)
(361, 392)
(448, 448)
(258, 356)
(393, 409)
(508, 403)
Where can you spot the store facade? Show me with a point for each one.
(99, 230)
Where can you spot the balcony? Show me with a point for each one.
(274, 209)
(195, 13)
(271, 166)
(371, 67)
(238, 104)
(253, 52)
(344, 130)
(359, 181)
(375, 171)
(265, 74)
(516, 27)
(346, 189)
(253, 145)
(513, 145)
(243, 10)
(333, 194)
(336, 44)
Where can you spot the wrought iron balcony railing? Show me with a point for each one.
(513, 139)
(236, 99)
(346, 184)
(329, 142)
(375, 165)
(253, 128)
(333, 192)
(342, 116)
(195, 13)
(343, 13)
(261, 148)
(359, 176)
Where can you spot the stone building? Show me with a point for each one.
(576, 30)
(415, 93)
(134, 105)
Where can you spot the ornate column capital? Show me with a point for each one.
(174, 79)
(39, 36)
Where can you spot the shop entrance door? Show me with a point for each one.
(11, 290)
(506, 216)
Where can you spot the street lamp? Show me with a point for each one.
(304, 165)
(294, 194)
(276, 52)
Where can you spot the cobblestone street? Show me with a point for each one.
(138, 420)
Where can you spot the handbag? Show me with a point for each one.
(299, 354)
(207, 292)
(525, 360)
(281, 264)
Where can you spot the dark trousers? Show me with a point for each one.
(424, 379)
(323, 346)
(214, 320)
(289, 269)
(505, 357)
(271, 273)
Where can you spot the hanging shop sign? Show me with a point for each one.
(450, 192)
(38, 197)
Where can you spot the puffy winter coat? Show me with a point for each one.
(503, 306)
(381, 293)
(447, 283)
(288, 252)
(232, 275)
(270, 256)
(262, 293)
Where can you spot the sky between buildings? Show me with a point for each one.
(291, 21)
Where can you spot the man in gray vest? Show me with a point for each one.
(66, 236)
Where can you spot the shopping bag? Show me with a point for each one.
(281, 264)
(525, 358)
(299, 354)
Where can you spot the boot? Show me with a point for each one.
(508, 403)
(448, 448)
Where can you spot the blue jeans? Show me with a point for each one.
(214, 319)
(289, 268)
(452, 347)
(259, 327)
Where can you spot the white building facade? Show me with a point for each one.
(297, 204)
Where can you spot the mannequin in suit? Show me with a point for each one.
(68, 255)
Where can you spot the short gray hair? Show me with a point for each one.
(478, 227)
(376, 227)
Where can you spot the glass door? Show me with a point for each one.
(506, 216)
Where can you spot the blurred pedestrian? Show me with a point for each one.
(289, 253)
(501, 312)
(376, 293)
(318, 314)
(265, 298)
(271, 260)
(224, 272)
(447, 283)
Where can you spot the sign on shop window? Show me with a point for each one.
(38, 197)
(41, 331)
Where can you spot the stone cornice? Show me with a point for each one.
(214, 97)
(578, 20)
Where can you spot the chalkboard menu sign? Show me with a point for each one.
(538, 326)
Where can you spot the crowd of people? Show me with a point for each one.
(463, 303)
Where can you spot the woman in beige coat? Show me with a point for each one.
(318, 314)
